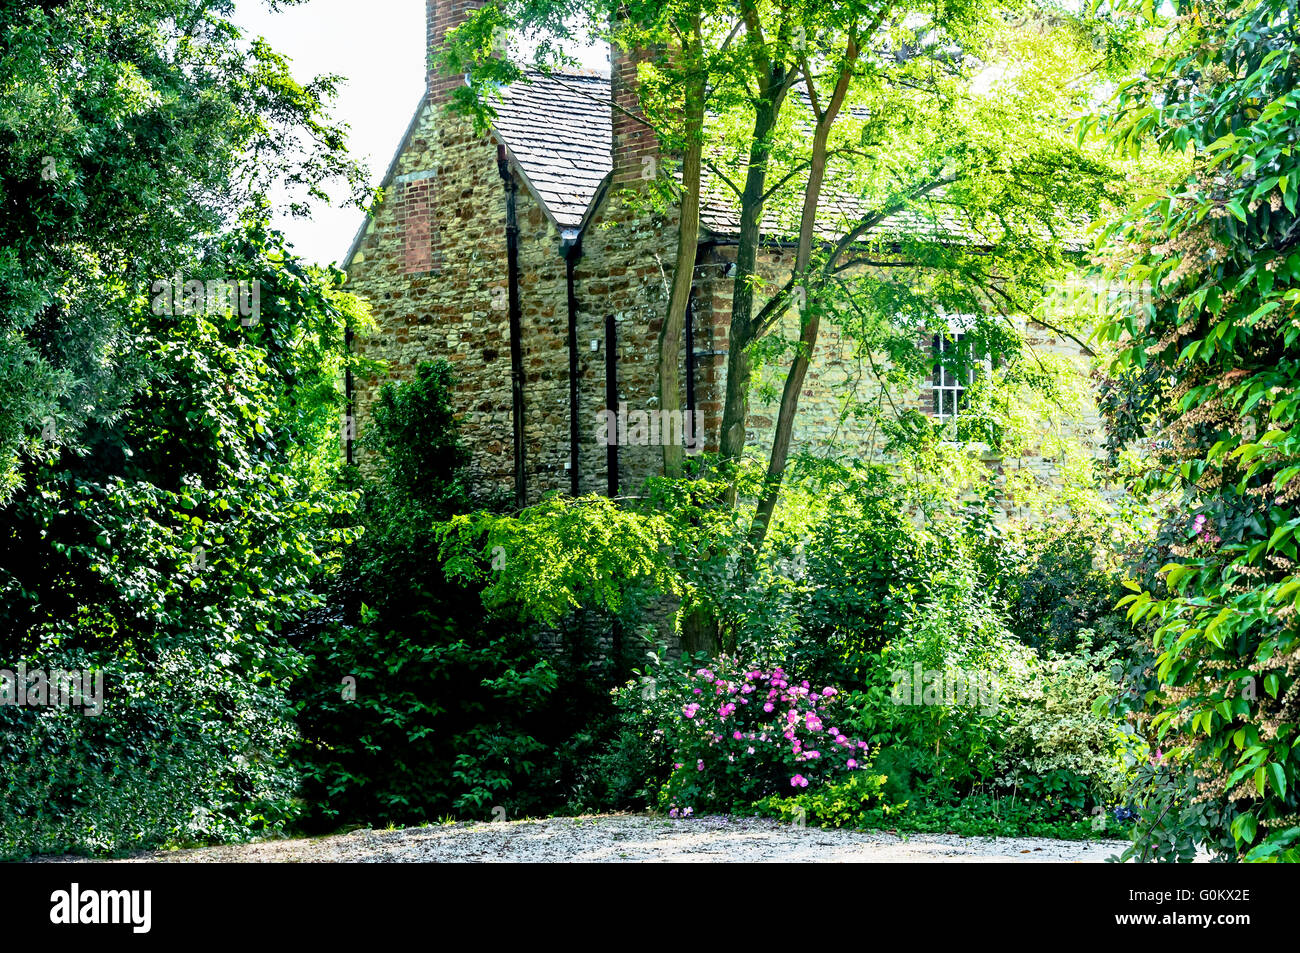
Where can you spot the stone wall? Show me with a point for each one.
(624, 273)
(432, 263)
(431, 301)
(842, 372)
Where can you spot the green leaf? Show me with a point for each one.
(1244, 828)
(1277, 777)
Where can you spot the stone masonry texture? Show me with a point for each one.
(432, 263)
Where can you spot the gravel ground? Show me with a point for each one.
(637, 838)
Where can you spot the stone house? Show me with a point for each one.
(514, 255)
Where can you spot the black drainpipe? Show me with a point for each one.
(516, 332)
(611, 400)
(690, 359)
(349, 422)
(571, 249)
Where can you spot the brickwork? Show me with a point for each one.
(442, 16)
(636, 149)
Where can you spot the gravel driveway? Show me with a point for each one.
(628, 837)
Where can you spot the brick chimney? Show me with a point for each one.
(442, 17)
(636, 148)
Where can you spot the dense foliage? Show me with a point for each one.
(287, 644)
(418, 701)
(174, 552)
(1205, 378)
(867, 580)
(131, 131)
(165, 458)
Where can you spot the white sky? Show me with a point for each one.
(379, 46)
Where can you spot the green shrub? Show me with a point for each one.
(183, 761)
(1064, 585)
(418, 701)
(1174, 821)
(413, 429)
(856, 801)
(178, 550)
(863, 802)
(939, 751)
(1063, 743)
(635, 761)
(1202, 387)
(405, 726)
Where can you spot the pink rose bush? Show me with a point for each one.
(741, 734)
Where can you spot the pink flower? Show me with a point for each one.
(853, 763)
(699, 765)
(798, 781)
(768, 707)
(829, 692)
(737, 735)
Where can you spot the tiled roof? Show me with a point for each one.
(558, 130)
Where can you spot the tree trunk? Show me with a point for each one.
(812, 306)
(735, 411)
(688, 239)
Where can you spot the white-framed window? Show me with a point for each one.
(954, 372)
